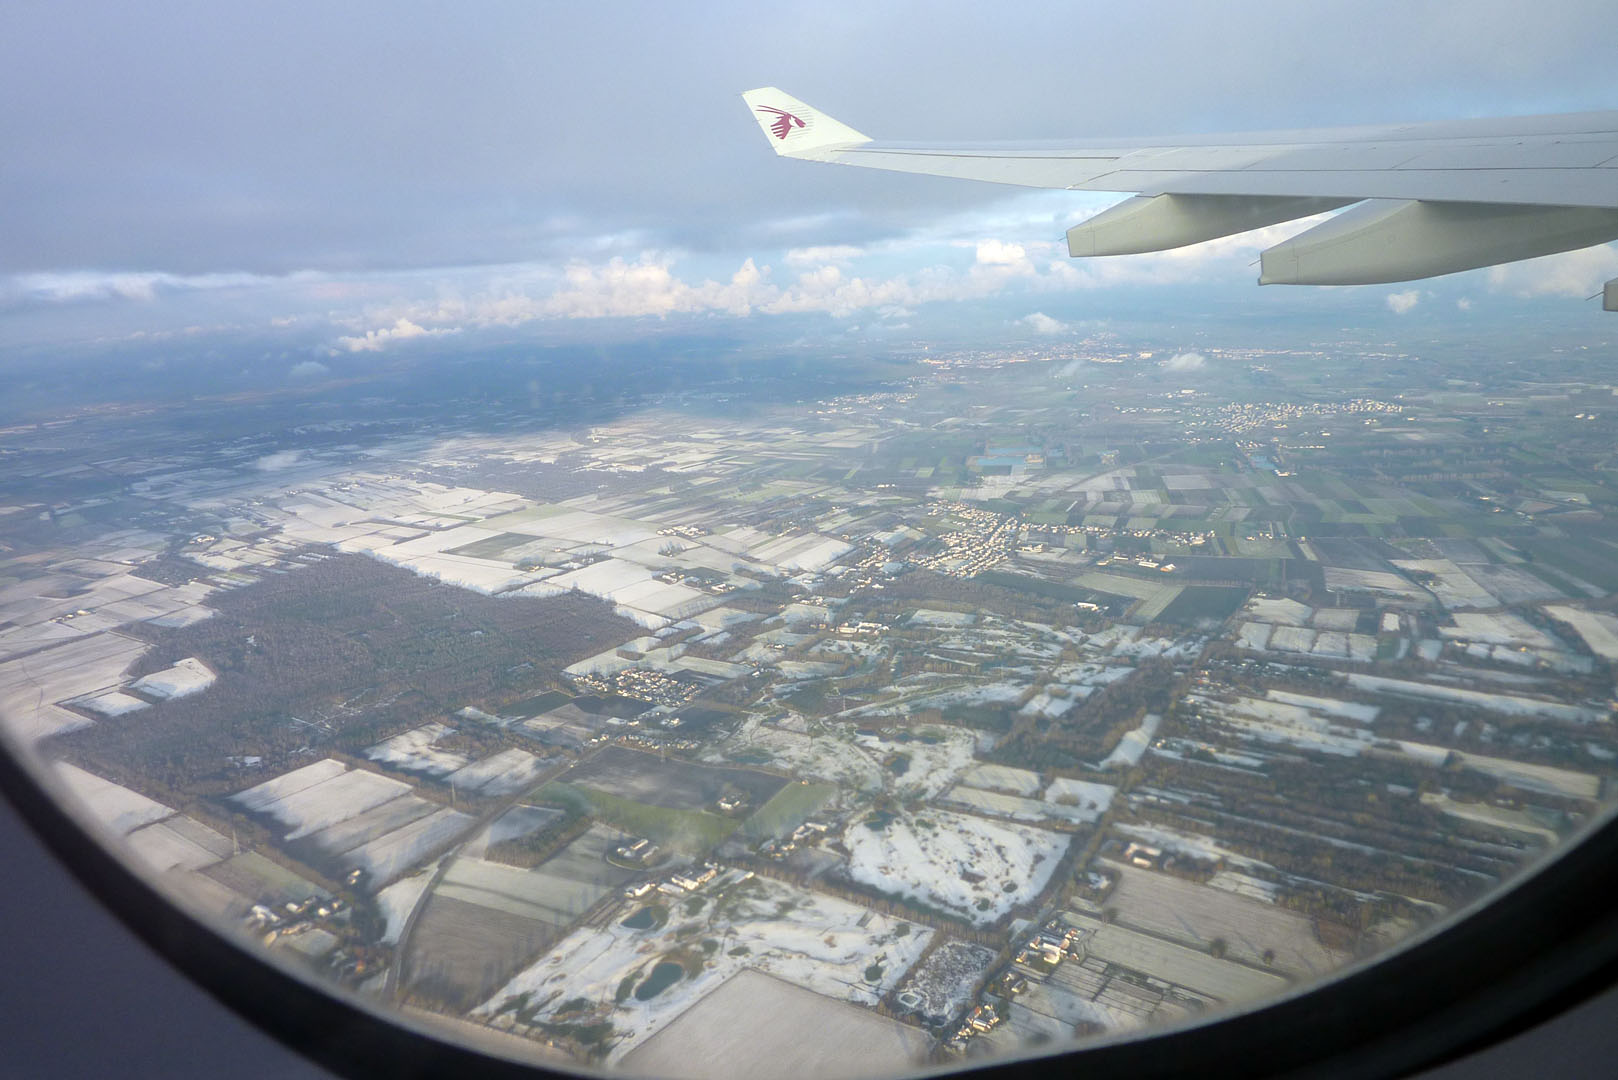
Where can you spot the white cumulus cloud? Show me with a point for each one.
(1041, 323)
(1575, 274)
(1000, 253)
(823, 253)
(401, 330)
(1401, 302)
(1185, 361)
(91, 285)
(309, 369)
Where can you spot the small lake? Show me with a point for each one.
(663, 976)
(644, 919)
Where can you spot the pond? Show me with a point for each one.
(644, 919)
(663, 976)
(880, 819)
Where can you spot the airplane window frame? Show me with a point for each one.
(1542, 944)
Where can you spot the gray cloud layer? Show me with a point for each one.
(192, 139)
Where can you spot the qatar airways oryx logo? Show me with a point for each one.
(784, 121)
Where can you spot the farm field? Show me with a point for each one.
(831, 756)
(1200, 914)
(999, 804)
(1183, 965)
(787, 809)
(941, 986)
(834, 948)
(969, 866)
(485, 920)
(694, 831)
(756, 1025)
(671, 784)
(347, 818)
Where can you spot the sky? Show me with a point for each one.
(345, 181)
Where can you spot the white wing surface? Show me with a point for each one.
(1435, 198)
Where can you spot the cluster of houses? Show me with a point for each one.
(640, 852)
(297, 924)
(292, 916)
(1051, 944)
(1143, 856)
(807, 832)
(678, 883)
(643, 684)
(1145, 562)
(981, 1019)
(1048, 946)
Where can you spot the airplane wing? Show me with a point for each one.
(1431, 198)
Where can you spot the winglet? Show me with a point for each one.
(796, 129)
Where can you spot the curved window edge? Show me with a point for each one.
(1540, 946)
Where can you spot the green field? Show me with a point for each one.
(543, 703)
(492, 547)
(1198, 602)
(1589, 562)
(693, 831)
(1053, 590)
(789, 808)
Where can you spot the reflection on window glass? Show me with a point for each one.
(866, 620)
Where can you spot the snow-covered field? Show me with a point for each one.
(261, 798)
(114, 805)
(186, 677)
(325, 794)
(1254, 635)
(1086, 795)
(113, 703)
(1246, 885)
(1343, 579)
(1278, 722)
(930, 617)
(1197, 847)
(1048, 705)
(1132, 747)
(1002, 778)
(391, 854)
(1502, 628)
(941, 988)
(1510, 704)
(1168, 648)
(1340, 619)
(1541, 826)
(832, 755)
(505, 773)
(1547, 779)
(413, 751)
(1292, 639)
(398, 900)
(1281, 611)
(995, 693)
(179, 842)
(516, 822)
(1450, 583)
(999, 804)
(933, 766)
(350, 833)
(1348, 710)
(1599, 631)
(979, 868)
(808, 939)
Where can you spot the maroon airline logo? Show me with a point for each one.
(784, 121)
